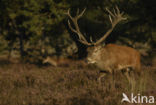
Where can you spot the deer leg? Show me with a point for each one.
(130, 80)
(128, 76)
(133, 82)
(127, 73)
(102, 75)
(113, 79)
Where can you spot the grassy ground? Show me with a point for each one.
(25, 84)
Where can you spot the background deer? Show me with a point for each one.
(111, 57)
(51, 61)
(63, 62)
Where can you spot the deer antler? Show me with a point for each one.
(82, 39)
(114, 18)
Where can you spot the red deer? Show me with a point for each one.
(51, 61)
(65, 62)
(111, 57)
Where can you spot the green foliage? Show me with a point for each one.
(28, 22)
(3, 44)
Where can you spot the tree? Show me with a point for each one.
(29, 22)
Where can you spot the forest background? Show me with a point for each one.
(33, 29)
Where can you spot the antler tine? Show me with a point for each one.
(110, 12)
(68, 13)
(110, 18)
(76, 30)
(118, 11)
(78, 12)
(115, 17)
(71, 27)
(120, 14)
(115, 13)
(81, 13)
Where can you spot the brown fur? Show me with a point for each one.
(56, 62)
(114, 57)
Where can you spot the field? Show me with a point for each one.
(28, 84)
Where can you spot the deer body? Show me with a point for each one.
(51, 61)
(56, 62)
(114, 57)
(64, 62)
(111, 57)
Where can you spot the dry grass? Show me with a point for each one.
(25, 84)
